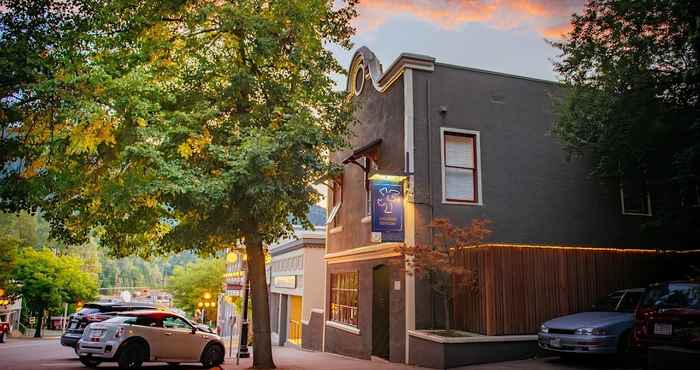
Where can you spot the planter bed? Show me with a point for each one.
(439, 349)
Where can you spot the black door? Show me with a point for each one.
(380, 312)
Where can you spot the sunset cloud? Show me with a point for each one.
(549, 18)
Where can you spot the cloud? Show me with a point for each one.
(549, 18)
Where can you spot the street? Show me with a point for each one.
(29, 354)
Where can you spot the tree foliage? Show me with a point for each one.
(634, 75)
(189, 283)
(438, 262)
(165, 126)
(45, 281)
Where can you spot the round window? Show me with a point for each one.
(359, 79)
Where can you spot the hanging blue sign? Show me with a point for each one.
(387, 207)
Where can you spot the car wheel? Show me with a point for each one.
(132, 356)
(75, 349)
(2, 337)
(90, 362)
(213, 356)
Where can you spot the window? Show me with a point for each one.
(460, 166)
(174, 322)
(635, 198)
(370, 165)
(337, 201)
(344, 298)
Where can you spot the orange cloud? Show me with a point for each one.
(544, 16)
(556, 31)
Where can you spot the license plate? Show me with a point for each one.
(663, 329)
(556, 342)
(96, 333)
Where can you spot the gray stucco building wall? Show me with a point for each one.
(531, 192)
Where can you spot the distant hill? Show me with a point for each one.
(316, 215)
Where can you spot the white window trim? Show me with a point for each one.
(622, 204)
(479, 190)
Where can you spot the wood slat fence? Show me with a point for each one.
(521, 287)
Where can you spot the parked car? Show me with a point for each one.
(669, 314)
(4, 329)
(94, 312)
(605, 329)
(133, 338)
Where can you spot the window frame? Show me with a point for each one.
(370, 165)
(336, 202)
(631, 212)
(333, 276)
(478, 192)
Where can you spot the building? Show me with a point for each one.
(295, 276)
(294, 268)
(11, 312)
(461, 143)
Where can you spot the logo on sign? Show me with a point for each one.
(387, 207)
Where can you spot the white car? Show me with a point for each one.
(133, 338)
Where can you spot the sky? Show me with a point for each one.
(497, 35)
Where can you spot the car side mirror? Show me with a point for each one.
(194, 330)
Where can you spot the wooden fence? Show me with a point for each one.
(520, 287)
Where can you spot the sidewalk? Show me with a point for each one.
(287, 358)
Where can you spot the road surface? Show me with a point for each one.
(38, 354)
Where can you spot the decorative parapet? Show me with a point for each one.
(364, 60)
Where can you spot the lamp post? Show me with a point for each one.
(243, 341)
(206, 303)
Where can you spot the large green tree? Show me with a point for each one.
(634, 75)
(45, 281)
(189, 283)
(165, 126)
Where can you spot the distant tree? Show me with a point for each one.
(189, 283)
(8, 256)
(162, 126)
(633, 70)
(438, 262)
(29, 229)
(45, 280)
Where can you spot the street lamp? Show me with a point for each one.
(206, 303)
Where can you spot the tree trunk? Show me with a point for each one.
(39, 321)
(262, 343)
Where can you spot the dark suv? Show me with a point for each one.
(95, 312)
(668, 315)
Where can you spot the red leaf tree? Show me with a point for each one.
(438, 262)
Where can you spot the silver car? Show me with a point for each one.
(604, 329)
(143, 336)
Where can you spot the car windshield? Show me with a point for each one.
(674, 295)
(619, 301)
(608, 303)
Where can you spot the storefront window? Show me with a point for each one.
(344, 297)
